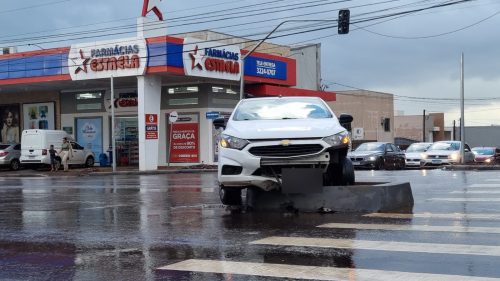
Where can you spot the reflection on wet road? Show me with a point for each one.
(172, 227)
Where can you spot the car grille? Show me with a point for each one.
(285, 151)
(437, 157)
(357, 158)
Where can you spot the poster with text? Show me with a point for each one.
(184, 147)
(89, 134)
(39, 116)
(9, 123)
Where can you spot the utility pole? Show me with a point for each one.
(423, 127)
(462, 121)
(454, 131)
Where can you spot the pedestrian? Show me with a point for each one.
(53, 153)
(66, 152)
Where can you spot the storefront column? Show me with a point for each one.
(149, 99)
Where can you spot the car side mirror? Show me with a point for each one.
(345, 121)
(220, 123)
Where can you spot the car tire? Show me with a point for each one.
(340, 174)
(230, 196)
(15, 164)
(89, 162)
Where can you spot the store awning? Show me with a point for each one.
(264, 90)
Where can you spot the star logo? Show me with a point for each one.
(196, 59)
(84, 64)
(152, 5)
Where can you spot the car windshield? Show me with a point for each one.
(445, 146)
(417, 147)
(370, 147)
(4, 146)
(483, 151)
(281, 108)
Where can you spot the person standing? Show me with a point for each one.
(52, 153)
(66, 153)
(10, 128)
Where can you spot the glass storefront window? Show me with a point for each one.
(89, 95)
(183, 101)
(223, 90)
(127, 140)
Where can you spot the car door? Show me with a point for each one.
(78, 154)
(389, 155)
(469, 155)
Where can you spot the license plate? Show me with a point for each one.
(356, 163)
(31, 156)
(436, 161)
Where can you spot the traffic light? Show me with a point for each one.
(343, 21)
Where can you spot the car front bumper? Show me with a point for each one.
(437, 162)
(263, 171)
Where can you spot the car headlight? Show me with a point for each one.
(488, 160)
(423, 156)
(341, 138)
(227, 141)
(454, 156)
(372, 158)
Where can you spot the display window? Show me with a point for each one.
(127, 140)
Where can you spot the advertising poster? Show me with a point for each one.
(185, 141)
(39, 116)
(89, 134)
(9, 124)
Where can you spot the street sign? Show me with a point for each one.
(212, 114)
(172, 117)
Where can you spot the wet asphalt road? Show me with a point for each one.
(131, 227)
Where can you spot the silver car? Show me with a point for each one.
(9, 155)
(414, 153)
(445, 153)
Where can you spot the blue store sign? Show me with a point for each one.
(265, 68)
(212, 114)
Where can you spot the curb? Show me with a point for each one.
(471, 168)
(156, 172)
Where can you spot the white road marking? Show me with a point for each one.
(413, 227)
(434, 248)
(498, 180)
(476, 192)
(309, 272)
(453, 216)
(491, 185)
(454, 199)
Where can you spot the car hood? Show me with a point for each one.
(364, 153)
(414, 155)
(283, 129)
(441, 152)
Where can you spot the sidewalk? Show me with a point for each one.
(105, 171)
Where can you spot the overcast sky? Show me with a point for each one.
(415, 56)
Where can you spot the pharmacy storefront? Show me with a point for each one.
(164, 92)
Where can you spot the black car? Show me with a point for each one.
(378, 155)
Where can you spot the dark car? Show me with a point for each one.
(486, 155)
(9, 155)
(378, 155)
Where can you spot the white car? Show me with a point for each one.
(266, 137)
(445, 153)
(414, 152)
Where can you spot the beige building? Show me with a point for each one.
(410, 128)
(373, 114)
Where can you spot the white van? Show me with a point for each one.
(35, 146)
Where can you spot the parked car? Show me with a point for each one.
(378, 155)
(9, 155)
(486, 155)
(414, 153)
(265, 138)
(445, 153)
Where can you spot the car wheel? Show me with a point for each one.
(230, 196)
(340, 174)
(15, 165)
(89, 162)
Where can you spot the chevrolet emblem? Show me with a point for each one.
(285, 142)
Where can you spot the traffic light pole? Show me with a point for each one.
(243, 57)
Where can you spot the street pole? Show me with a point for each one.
(454, 131)
(113, 137)
(243, 57)
(423, 126)
(462, 120)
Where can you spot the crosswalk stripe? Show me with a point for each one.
(309, 272)
(413, 227)
(434, 248)
(454, 199)
(497, 180)
(476, 192)
(476, 185)
(452, 216)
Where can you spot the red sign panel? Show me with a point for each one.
(151, 126)
(184, 148)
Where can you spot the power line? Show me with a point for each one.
(34, 6)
